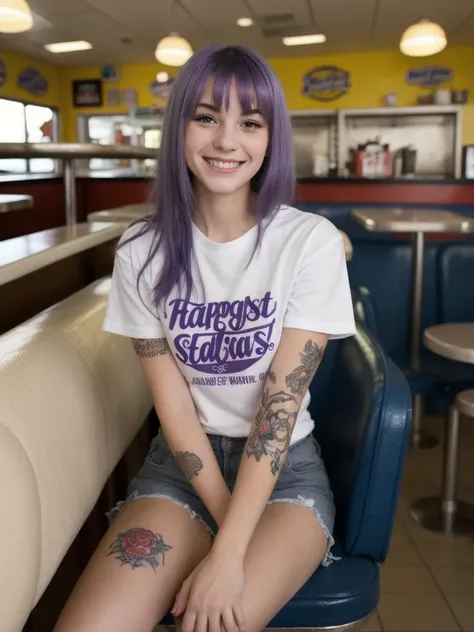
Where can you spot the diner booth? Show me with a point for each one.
(390, 167)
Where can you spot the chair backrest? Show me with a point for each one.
(364, 438)
(72, 398)
(456, 292)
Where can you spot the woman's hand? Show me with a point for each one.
(211, 597)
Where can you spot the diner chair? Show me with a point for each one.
(362, 405)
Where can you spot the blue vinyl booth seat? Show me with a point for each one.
(362, 406)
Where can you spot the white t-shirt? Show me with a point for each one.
(225, 337)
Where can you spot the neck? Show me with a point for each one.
(223, 218)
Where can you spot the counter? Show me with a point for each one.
(99, 191)
(41, 269)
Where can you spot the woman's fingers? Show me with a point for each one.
(189, 621)
(215, 622)
(228, 620)
(239, 616)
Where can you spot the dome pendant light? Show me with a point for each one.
(423, 38)
(15, 16)
(173, 50)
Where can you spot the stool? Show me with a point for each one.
(446, 514)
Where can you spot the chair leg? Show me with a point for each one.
(420, 439)
(445, 514)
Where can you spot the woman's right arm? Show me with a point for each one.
(181, 426)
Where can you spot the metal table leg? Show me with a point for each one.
(70, 191)
(445, 514)
(420, 438)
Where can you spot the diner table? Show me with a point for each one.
(10, 202)
(445, 513)
(417, 222)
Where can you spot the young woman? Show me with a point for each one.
(229, 297)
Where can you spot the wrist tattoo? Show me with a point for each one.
(139, 547)
(271, 432)
(299, 379)
(150, 348)
(190, 464)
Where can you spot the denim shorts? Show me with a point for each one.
(302, 481)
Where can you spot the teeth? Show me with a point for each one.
(223, 165)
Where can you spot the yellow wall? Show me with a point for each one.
(372, 76)
(14, 65)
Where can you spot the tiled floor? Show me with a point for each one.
(428, 579)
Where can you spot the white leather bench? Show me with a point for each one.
(72, 398)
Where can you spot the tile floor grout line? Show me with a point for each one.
(427, 567)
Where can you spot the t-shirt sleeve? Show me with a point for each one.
(130, 310)
(321, 300)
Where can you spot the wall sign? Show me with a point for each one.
(161, 90)
(326, 83)
(3, 72)
(87, 93)
(109, 73)
(32, 80)
(429, 76)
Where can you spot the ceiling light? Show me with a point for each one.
(173, 50)
(244, 22)
(423, 38)
(300, 40)
(15, 16)
(67, 47)
(161, 77)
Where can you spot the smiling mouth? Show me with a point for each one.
(226, 165)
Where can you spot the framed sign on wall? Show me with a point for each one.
(87, 93)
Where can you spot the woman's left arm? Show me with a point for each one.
(294, 365)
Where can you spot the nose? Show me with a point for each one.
(225, 138)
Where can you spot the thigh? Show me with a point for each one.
(131, 581)
(287, 547)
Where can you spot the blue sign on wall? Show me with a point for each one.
(326, 83)
(3, 72)
(429, 76)
(32, 80)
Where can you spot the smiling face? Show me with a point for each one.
(225, 148)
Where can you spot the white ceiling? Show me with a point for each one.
(128, 30)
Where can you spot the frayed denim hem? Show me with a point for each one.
(111, 515)
(303, 501)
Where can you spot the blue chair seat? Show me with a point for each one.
(344, 592)
(437, 375)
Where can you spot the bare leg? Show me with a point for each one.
(131, 581)
(287, 547)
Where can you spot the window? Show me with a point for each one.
(26, 123)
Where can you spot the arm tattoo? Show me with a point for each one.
(299, 379)
(272, 377)
(271, 432)
(139, 547)
(190, 463)
(150, 348)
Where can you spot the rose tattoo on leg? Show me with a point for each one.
(139, 547)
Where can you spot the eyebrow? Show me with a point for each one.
(213, 108)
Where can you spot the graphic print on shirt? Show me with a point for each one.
(222, 337)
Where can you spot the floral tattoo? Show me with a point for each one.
(139, 547)
(271, 432)
(190, 464)
(299, 379)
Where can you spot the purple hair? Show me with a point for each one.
(272, 186)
